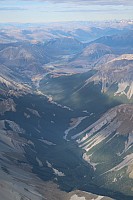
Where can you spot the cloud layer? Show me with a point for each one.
(90, 2)
(64, 10)
(12, 8)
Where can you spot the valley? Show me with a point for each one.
(66, 113)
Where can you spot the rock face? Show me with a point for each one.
(108, 146)
(24, 59)
(91, 54)
(95, 51)
(7, 105)
(118, 40)
(116, 76)
(63, 46)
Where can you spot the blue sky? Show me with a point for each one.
(56, 10)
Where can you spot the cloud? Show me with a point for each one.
(11, 8)
(78, 2)
(88, 11)
(90, 2)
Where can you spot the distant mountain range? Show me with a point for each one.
(82, 31)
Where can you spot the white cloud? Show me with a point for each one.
(92, 2)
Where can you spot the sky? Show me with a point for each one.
(41, 11)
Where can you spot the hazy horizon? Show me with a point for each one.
(41, 11)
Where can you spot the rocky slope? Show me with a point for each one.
(118, 40)
(108, 146)
(63, 46)
(116, 76)
(26, 59)
(91, 55)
